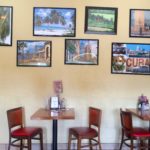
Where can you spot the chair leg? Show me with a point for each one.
(131, 144)
(69, 141)
(99, 143)
(100, 147)
(149, 143)
(122, 138)
(140, 144)
(143, 145)
(21, 144)
(29, 143)
(90, 142)
(41, 140)
(9, 143)
(79, 143)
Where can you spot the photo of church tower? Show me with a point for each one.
(140, 23)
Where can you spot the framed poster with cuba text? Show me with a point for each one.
(130, 58)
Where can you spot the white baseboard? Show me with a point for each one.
(63, 146)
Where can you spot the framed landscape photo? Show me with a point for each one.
(59, 22)
(81, 51)
(101, 20)
(130, 58)
(6, 14)
(139, 23)
(34, 53)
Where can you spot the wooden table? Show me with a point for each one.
(144, 115)
(62, 114)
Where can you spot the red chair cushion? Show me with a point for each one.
(139, 132)
(25, 132)
(84, 132)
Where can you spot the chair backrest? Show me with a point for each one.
(95, 117)
(126, 121)
(15, 117)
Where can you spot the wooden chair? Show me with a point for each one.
(18, 132)
(130, 133)
(92, 132)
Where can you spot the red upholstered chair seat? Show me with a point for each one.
(26, 132)
(84, 132)
(137, 131)
(141, 133)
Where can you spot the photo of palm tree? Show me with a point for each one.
(5, 26)
(54, 21)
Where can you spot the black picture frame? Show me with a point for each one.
(101, 20)
(6, 22)
(54, 21)
(130, 58)
(139, 23)
(81, 51)
(34, 53)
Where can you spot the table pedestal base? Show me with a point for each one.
(54, 140)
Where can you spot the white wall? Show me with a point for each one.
(84, 86)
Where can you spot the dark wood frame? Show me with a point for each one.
(70, 27)
(140, 28)
(10, 26)
(87, 61)
(42, 52)
(125, 60)
(88, 8)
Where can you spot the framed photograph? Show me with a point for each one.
(81, 51)
(139, 23)
(130, 58)
(54, 21)
(54, 102)
(34, 53)
(6, 14)
(101, 20)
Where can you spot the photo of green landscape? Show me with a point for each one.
(101, 20)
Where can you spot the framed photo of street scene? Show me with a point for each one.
(101, 20)
(81, 51)
(60, 22)
(139, 23)
(130, 58)
(34, 53)
(6, 19)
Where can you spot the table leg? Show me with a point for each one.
(54, 140)
(149, 139)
